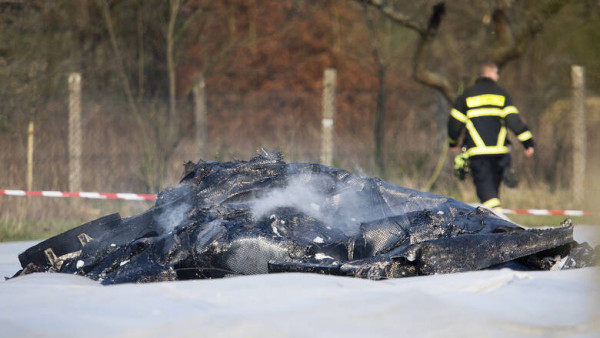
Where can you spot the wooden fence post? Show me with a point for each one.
(30, 130)
(579, 134)
(75, 132)
(200, 115)
(329, 82)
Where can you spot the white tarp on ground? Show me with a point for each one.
(500, 303)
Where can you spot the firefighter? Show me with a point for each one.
(485, 110)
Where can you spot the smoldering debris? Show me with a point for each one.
(265, 215)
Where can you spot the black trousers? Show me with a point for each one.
(487, 172)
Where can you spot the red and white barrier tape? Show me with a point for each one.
(95, 195)
(146, 197)
(546, 212)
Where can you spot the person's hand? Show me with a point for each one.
(529, 152)
(455, 148)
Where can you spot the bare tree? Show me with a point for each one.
(510, 41)
(155, 153)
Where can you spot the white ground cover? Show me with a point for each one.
(491, 303)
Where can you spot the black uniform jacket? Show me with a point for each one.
(486, 110)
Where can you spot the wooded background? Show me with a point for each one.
(399, 64)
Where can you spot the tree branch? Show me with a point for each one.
(398, 17)
(426, 36)
(510, 46)
(428, 78)
(420, 72)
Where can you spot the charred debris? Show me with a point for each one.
(265, 216)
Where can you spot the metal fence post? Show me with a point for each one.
(30, 130)
(579, 134)
(329, 82)
(75, 132)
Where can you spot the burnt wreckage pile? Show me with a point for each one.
(265, 215)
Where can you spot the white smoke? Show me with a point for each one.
(312, 195)
(300, 193)
(171, 217)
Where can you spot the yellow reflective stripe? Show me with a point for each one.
(509, 110)
(485, 100)
(451, 140)
(501, 136)
(484, 112)
(474, 134)
(524, 136)
(492, 203)
(458, 115)
(487, 150)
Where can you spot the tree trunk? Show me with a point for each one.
(200, 115)
(140, 37)
(172, 122)
(379, 132)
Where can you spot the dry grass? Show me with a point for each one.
(37, 218)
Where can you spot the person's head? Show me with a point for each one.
(488, 69)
